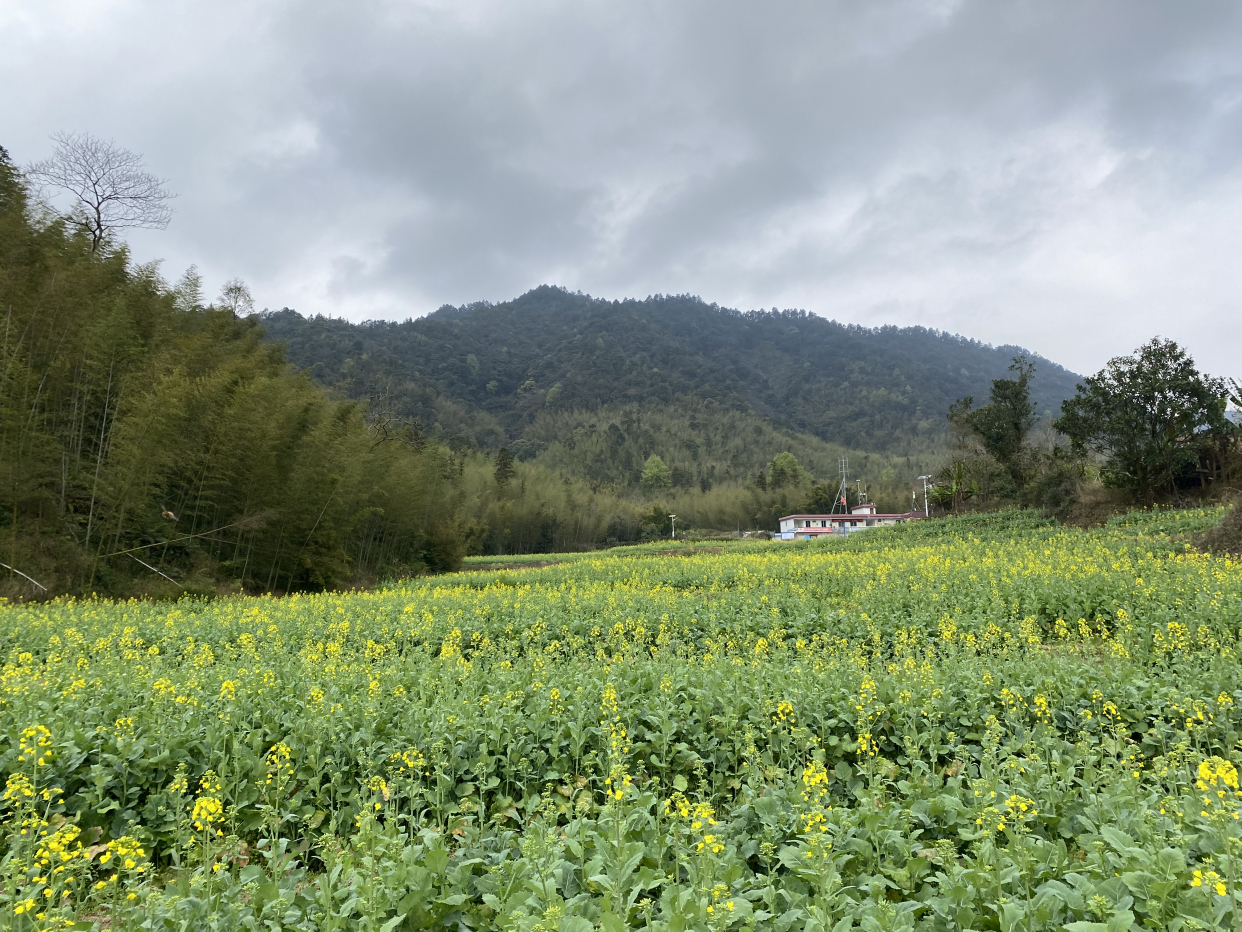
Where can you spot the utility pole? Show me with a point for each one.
(926, 510)
(673, 535)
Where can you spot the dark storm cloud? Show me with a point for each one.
(1064, 176)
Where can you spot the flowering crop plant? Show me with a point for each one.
(977, 723)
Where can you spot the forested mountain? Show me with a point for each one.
(493, 374)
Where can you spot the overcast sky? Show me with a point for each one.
(1064, 176)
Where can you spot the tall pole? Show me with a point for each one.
(926, 510)
(673, 534)
(843, 489)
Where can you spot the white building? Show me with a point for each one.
(809, 527)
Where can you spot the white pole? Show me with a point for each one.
(673, 535)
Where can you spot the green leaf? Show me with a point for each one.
(1011, 916)
(1138, 882)
(1170, 862)
(1118, 839)
(768, 808)
(790, 856)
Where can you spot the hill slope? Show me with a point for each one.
(512, 373)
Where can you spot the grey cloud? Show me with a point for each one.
(1060, 175)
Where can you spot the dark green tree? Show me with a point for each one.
(1149, 415)
(504, 467)
(1004, 424)
(657, 523)
(822, 500)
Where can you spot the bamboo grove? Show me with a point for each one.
(978, 723)
(147, 438)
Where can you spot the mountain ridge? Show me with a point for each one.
(482, 373)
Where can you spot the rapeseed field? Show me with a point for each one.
(989, 723)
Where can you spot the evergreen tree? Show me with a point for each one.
(504, 467)
(822, 500)
(1150, 415)
(1004, 424)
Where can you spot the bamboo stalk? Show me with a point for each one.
(161, 543)
(153, 569)
(24, 576)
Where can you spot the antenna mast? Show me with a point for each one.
(862, 492)
(841, 499)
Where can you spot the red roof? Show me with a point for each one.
(838, 517)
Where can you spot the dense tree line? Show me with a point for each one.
(703, 445)
(1148, 427)
(152, 443)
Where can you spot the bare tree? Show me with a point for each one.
(384, 421)
(235, 295)
(112, 187)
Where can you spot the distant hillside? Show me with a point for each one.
(487, 372)
(705, 445)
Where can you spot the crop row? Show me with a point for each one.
(988, 724)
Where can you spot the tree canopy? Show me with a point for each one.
(1152, 416)
(1004, 423)
(656, 475)
(784, 471)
